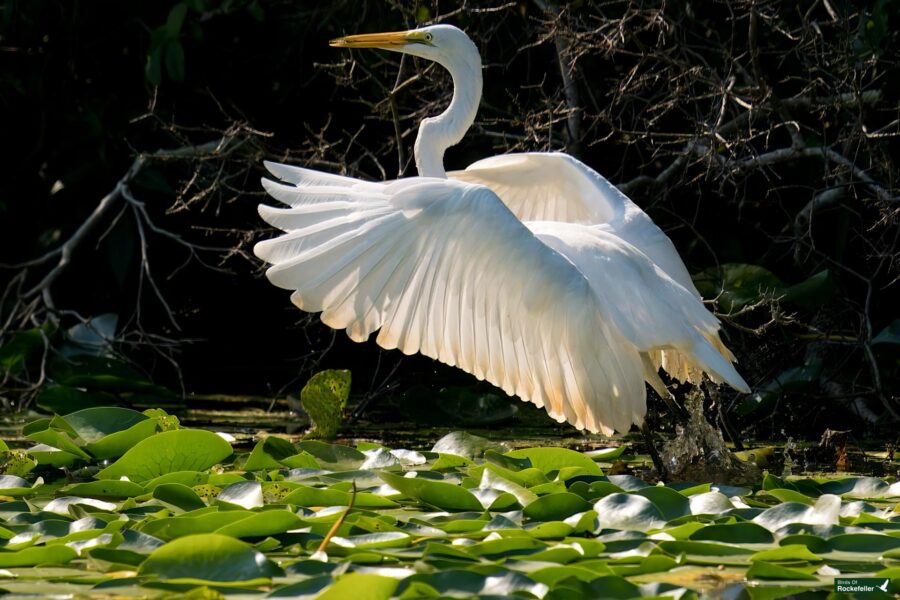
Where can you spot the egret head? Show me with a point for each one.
(446, 45)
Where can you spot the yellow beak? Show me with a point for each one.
(388, 40)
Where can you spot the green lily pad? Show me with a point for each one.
(268, 453)
(788, 553)
(734, 533)
(268, 522)
(360, 586)
(191, 524)
(209, 557)
(179, 495)
(556, 507)
(764, 570)
(323, 398)
(554, 459)
(167, 452)
(436, 493)
(310, 496)
(628, 511)
(671, 504)
(336, 457)
(246, 494)
(108, 488)
(38, 555)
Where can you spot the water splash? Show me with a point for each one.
(698, 451)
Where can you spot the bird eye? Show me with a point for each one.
(428, 37)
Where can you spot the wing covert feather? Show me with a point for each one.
(444, 268)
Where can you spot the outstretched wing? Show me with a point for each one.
(443, 268)
(552, 186)
(653, 311)
(556, 187)
(547, 186)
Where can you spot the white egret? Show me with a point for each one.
(573, 312)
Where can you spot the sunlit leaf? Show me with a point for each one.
(554, 459)
(209, 557)
(360, 586)
(436, 493)
(323, 398)
(167, 452)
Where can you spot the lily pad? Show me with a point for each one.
(167, 452)
(436, 493)
(209, 557)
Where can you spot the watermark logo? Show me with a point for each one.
(861, 585)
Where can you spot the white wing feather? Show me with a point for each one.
(539, 186)
(553, 186)
(445, 269)
(652, 310)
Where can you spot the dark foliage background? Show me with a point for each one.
(760, 135)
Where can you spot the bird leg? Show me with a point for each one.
(661, 470)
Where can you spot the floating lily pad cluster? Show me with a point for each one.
(112, 501)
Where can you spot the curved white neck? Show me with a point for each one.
(436, 134)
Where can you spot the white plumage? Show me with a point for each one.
(528, 270)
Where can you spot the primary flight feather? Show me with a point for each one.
(530, 270)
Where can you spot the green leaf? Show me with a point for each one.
(109, 488)
(175, 20)
(110, 431)
(736, 285)
(209, 557)
(491, 480)
(309, 588)
(864, 542)
(443, 495)
(174, 60)
(101, 373)
(38, 555)
(62, 399)
(628, 511)
(56, 434)
(701, 548)
(378, 540)
(466, 445)
(551, 575)
(335, 457)
(16, 462)
(45, 455)
(789, 553)
(268, 453)
(188, 478)
(246, 494)
(204, 522)
(556, 507)
(763, 570)
(606, 454)
(16, 352)
(302, 460)
(179, 495)
(794, 379)
(811, 293)
(13, 485)
(786, 495)
(310, 496)
(323, 398)
(734, 533)
(167, 452)
(268, 522)
(360, 586)
(670, 503)
(554, 459)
